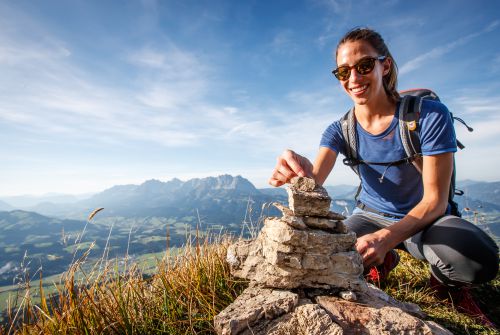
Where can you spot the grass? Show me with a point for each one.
(408, 282)
(181, 297)
(183, 294)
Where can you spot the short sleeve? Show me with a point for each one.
(333, 139)
(437, 134)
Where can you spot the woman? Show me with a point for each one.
(398, 206)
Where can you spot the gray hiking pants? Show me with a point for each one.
(457, 251)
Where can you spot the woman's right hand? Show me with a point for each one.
(289, 165)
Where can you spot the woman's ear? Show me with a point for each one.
(387, 66)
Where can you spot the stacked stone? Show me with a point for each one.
(291, 263)
(308, 247)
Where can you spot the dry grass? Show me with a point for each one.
(409, 282)
(185, 293)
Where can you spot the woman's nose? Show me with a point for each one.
(354, 76)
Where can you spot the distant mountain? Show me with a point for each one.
(274, 191)
(16, 225)
(27, 239)
(481, 196)
(5, 206)
(342, 191)
(28, 201)
(223, 199)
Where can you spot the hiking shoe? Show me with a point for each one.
(379, 273)
(461, 299)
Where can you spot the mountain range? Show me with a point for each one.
(224, 198)
(137, 218)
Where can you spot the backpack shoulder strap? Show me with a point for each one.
(409, 114)
(348, 124)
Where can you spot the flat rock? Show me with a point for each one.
(253, 306)
(304, 201)
(304, 184)
(335, 216)
(307, 318)
(331, 225)
(289, 218)
(377, 313)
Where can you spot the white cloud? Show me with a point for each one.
(285, 43)
(444, 49)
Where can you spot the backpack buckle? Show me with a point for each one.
(412, 125)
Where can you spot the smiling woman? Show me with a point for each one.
(399, 205)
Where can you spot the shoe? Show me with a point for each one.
(461, 299)
(379, 273)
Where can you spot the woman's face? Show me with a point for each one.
(362, 88)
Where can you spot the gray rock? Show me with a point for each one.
(348, 295)
(307, 318)
(252, 306)
(286, 258)
(310, 249)
(334, 226)
(289, 218)
(304, 184)
(377, 313)
(335, 216)
(314, 203)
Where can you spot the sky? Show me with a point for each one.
(101, 93)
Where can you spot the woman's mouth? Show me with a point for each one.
(358, 89)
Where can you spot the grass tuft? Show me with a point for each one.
(409, 282)
(182, 297)
(186, 291)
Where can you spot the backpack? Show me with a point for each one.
(409, 114)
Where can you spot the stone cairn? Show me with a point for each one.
(306, 278)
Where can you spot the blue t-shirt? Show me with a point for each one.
(401, 187)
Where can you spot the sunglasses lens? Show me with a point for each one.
(365, 66)
(342, 73)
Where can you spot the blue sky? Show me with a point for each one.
(99, 93)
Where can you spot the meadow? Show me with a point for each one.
(179, 291)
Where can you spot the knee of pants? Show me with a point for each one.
(361, 225)
(460, 251)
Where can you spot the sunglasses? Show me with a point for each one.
(364, 66)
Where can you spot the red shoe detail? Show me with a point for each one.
(464, 302)
(442, 291)
(373, 276)
(379, 273)
(461, 299)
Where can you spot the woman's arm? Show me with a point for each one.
(290, 164)
(323, 165)
(436, 176)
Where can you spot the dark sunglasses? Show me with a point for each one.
(364, 66)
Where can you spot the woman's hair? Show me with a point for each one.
(390, 80)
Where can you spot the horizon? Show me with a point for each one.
(90, 194)
(94, 95)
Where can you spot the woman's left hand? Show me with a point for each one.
(373, 247)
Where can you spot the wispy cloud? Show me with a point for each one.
(439, 51)
(285, 43)
(169, 103)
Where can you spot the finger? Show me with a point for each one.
(285, 171)
(368, 259)
(361, 246)
(275, 182)
(278, 178)
(294, 163)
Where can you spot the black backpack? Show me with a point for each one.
(409, 114)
